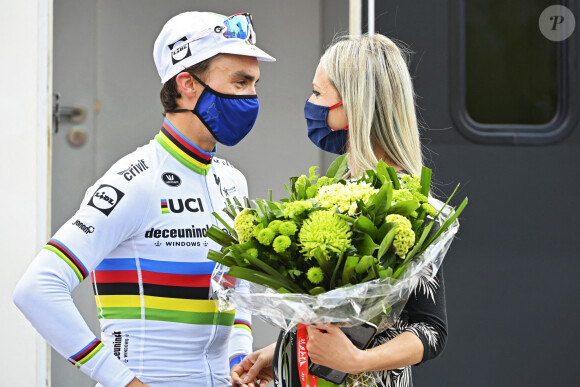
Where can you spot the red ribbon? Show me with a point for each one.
(302, 357)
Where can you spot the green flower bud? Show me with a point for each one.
(288, 228)
(281, 243)
(266, 236)
(315, 275)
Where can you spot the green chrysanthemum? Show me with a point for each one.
(281, 243)
(324, 229)
(275, 226)
(266, 236)
(296, 208)
(244, 225)
(315, 275)
(288, 228)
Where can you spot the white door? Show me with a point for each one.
(103, 63)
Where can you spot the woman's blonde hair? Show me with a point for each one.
(371, 75)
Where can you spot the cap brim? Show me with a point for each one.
(241, 47)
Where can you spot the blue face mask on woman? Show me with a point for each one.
(333, 141)
(228, 117)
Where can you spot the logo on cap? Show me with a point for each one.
(181, 52)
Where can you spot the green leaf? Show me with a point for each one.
(312, 173)
(349, 267)
(364, 264)
(382, 171)
(394, 177)
(220, 236)
(447, 223)
(386, 273)
(404, 208)
(387, 241)
(364, 244)
(317, 290)
(382, 202)
(400, 271)
(418, 244)
(226, 225)
(257, 277)
(338, 167)
(273, 273)
(367, 226)
(218, 257)
(425, 180)
(390, 259)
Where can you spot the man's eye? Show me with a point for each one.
(316, 93)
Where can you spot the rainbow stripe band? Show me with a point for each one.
(164, 208)
(129, 288)
(69, 257)
(185, 151)
(239, 323)
(87, 353)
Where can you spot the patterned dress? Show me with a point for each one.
(425, 316)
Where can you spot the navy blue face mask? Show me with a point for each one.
(228, 117)
(333, 141)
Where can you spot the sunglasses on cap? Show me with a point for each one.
(238, 26)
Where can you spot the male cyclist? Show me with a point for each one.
(140, 231)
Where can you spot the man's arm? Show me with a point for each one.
(44, 292)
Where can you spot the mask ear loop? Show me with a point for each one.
(334, 107)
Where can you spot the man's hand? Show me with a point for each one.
(255, 367)
(137, 383)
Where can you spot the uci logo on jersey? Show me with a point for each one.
(106, 198)
(177, 206)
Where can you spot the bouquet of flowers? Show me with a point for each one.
(334, 251)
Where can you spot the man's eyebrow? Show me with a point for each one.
(246, 76)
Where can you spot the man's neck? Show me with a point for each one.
(191, 128)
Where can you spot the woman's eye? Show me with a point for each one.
(316, 93)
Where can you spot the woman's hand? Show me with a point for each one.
(255, 367)
(328, 346)
(137, 383)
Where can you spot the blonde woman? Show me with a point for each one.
(363, 103)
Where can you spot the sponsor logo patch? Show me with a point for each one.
(106, 198)
(134, 170)
(177, 206)
(179, 237)
(171, 179)
(180, 52)
(84, 228)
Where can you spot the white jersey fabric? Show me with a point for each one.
(140, 234)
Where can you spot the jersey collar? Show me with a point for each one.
(185, 151)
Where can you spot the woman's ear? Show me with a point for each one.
(186, 85)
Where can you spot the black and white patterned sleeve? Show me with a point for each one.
(426, 315)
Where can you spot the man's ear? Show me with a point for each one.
(186, 85)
